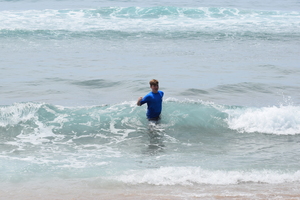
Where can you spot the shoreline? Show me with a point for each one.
(97, 189)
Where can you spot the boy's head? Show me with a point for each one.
(153, 82)
(154, 85)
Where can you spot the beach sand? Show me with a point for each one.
(87, 189)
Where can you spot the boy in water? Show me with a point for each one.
(153, 100)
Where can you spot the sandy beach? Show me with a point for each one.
(88, 190)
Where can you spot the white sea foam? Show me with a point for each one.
(197, 175)
(18, 112)
(148, 19)
(283, 120)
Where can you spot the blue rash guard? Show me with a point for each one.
(154, 102)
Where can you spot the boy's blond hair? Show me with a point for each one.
(153, 82)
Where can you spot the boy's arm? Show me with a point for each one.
(139, 101)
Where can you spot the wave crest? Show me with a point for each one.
(283, 120)
(174, 22)
(195, 117)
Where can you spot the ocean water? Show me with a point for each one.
(72, 71)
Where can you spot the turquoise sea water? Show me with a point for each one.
(71, 72)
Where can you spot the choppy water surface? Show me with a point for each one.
(71, 73)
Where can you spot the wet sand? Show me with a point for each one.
(92, 189)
